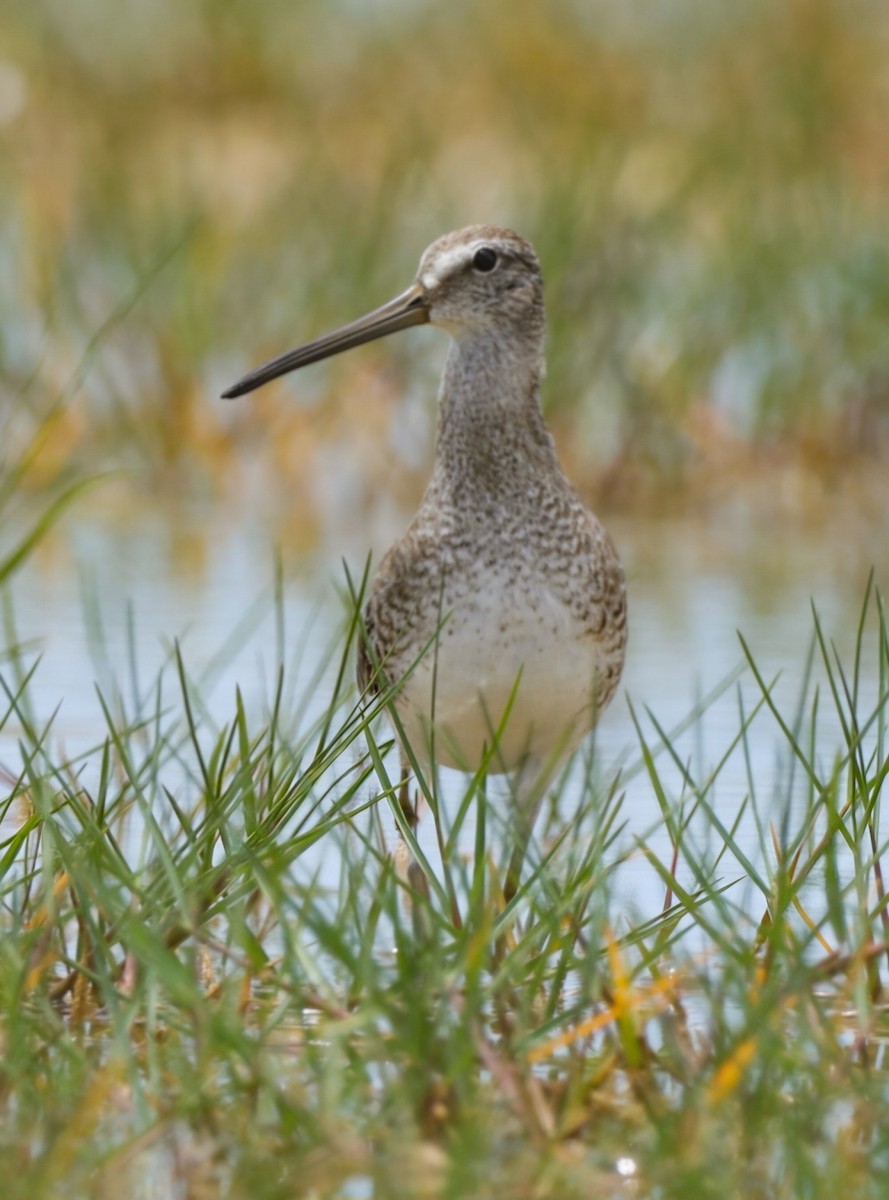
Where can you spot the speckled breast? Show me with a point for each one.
(511, 672)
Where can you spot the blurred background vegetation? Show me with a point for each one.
(190, 187)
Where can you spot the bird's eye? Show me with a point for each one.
(485, 259)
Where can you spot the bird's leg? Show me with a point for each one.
(408, 807)
(514, 870)
(527, 797)
(409, 868)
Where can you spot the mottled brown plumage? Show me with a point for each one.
(505, 592)
(499, 527)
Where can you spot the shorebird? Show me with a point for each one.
(499, 617)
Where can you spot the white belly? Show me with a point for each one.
(514, 673)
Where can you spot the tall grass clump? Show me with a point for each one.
(216, 980)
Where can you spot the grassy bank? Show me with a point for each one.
(214, 981)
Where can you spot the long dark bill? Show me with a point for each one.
(405, 310)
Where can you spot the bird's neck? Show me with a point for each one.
(491, 432)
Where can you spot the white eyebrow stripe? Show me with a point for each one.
(449, 260)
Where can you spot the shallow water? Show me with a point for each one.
(692, 586)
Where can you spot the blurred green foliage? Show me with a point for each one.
(706, 186)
